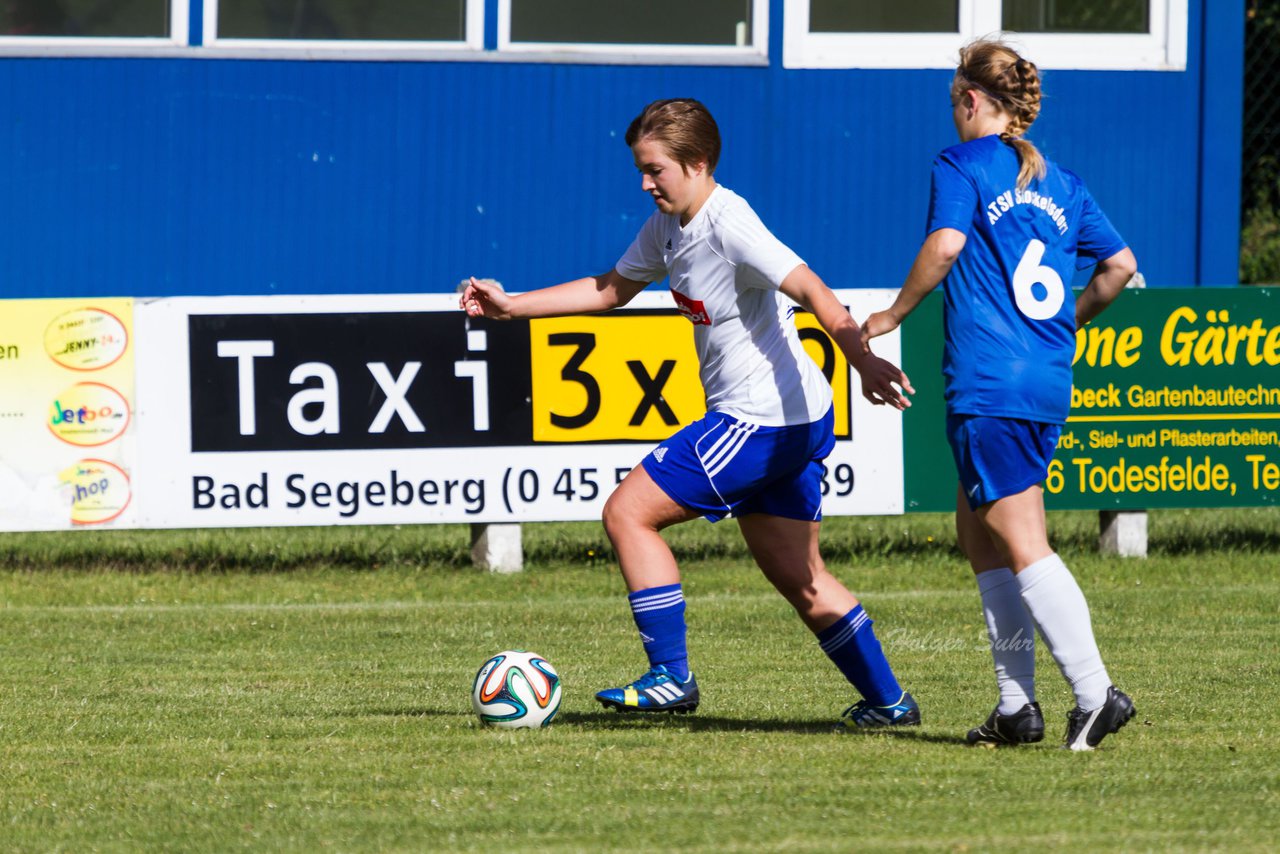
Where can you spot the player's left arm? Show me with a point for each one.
(882, 381)
(934, 260)
(1106, 283)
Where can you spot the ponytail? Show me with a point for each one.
(1013, 83)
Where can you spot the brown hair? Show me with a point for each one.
(1013, 83)
(685, 129)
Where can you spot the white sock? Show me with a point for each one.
(1012, 636)
(1056, 603)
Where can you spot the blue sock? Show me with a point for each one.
(659, 615)
(851, 643)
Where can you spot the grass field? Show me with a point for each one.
(297, 690)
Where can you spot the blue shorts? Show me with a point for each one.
(998, 457)
(720, 466)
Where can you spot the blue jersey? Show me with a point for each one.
(1009, 312)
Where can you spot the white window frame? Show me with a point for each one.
(472, 42)
(179, 33)
(754, 52)
(1163, 48)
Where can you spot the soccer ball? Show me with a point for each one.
(516, 689)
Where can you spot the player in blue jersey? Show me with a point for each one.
(1006, 231)
(757, 453)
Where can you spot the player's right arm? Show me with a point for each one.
(581, 296)
(1108, 280)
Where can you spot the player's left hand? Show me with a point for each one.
(884, 383)
(877, 324)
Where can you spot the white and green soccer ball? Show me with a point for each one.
(516, 689)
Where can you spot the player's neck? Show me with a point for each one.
(982, 126)
(700, 198)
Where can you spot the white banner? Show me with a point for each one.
(265, 411)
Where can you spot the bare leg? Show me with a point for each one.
(1010, 630)
(1050, 593)
(973, 539)
(633, 516)
(787, 552)
(1016, 526)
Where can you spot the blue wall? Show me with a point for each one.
(153, 177)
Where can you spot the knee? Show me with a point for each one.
(613, 517)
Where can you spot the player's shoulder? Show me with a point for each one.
(726, 211)
(659, 223)
(1067, 186)
(724, 202)
(973, 152)
(1068, 177)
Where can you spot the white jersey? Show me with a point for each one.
(725, 270)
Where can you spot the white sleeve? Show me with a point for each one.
(643, 261)
(753, 249)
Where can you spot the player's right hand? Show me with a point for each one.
(483, 298)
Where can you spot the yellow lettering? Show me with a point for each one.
(1209, 346)
(1271, 353)
(1127, 346)
(1256, 334)
(1101, 339)
(1265, 475)
(1169, 337)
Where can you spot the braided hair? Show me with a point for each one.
(1013, 83)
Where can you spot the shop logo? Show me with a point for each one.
(87, 339)
(98, 491)
(89, 414)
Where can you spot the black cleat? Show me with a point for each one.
(1025, 726)
(1086, 729)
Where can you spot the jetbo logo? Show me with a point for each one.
(89, 414)
(692, 309)
(357, 381)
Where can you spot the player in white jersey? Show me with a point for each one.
(757, 453)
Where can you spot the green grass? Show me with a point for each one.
(309, 690)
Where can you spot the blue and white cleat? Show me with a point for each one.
(656, 691)
(863, 715)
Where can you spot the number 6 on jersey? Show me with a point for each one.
(1031, 272)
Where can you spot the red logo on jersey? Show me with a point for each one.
(692, 309)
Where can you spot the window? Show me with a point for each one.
(59, 22)
(908, 16)
(344, 24)
(714, 28)
(1051, 16)
(1117, 34)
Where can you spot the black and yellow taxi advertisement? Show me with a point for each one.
(633, 376)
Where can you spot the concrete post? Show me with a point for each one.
(1122, 532)
(497, 547)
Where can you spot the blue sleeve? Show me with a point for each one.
(1098, 238)
(952, 197)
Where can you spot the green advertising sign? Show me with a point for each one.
(1176, 403)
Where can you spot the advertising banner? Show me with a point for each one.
(1176, 403)
(244, 411)
(66, 414)
(400, 409)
